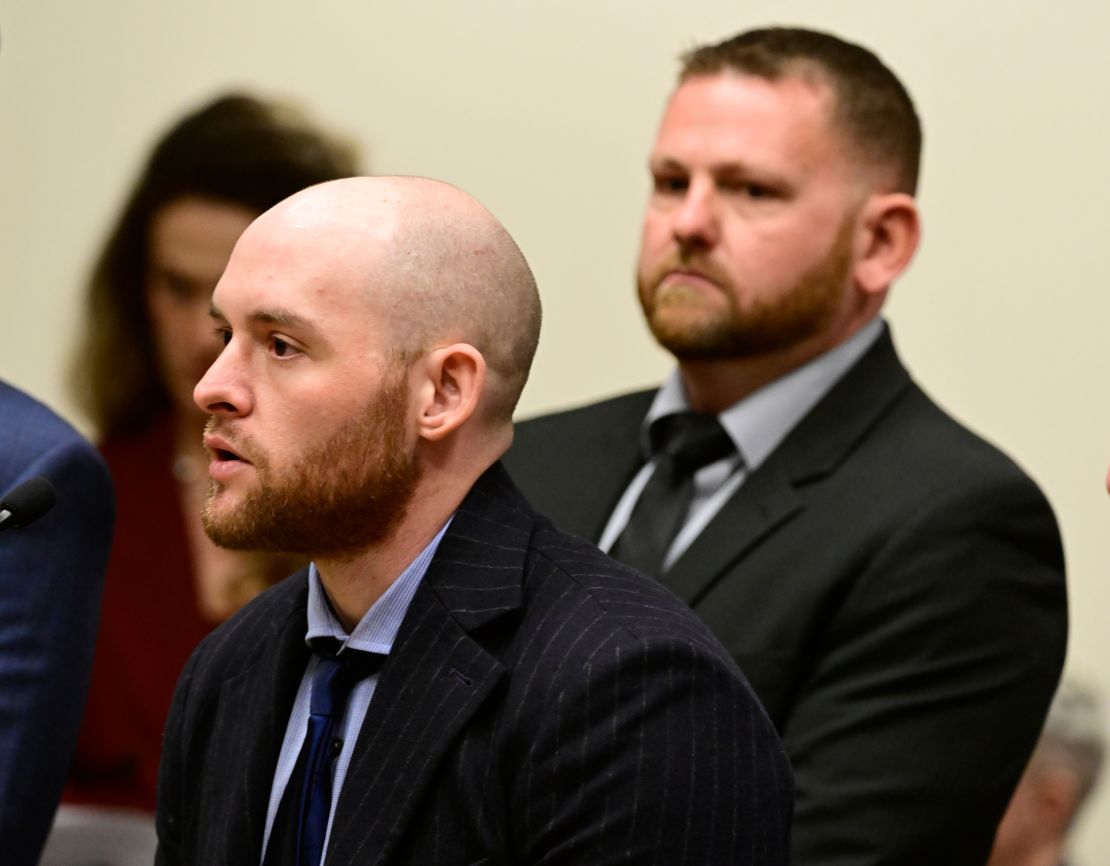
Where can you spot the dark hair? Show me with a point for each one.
(237, 150)
(872, 106)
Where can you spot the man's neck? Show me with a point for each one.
(354, 583)
(713, 386)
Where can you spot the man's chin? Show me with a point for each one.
(223, 521)
(689, 336)
(233, 536)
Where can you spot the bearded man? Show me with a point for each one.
(452, 681)
(891, 585)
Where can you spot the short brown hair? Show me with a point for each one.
(236, 150)
(872, 106)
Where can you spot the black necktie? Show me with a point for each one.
(301, 822)
(681, 444)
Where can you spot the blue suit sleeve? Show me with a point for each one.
(51, 577)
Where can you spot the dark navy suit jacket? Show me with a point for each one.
(543, 704)
(891, 585)
(51, 574)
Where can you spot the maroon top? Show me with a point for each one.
(150, 623)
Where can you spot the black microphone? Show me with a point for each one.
(27, 503)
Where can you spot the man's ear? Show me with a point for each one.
(452, 382)
(891, 231)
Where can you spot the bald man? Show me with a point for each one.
(452, 680)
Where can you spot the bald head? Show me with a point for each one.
(434, 264)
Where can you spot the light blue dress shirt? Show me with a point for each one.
(375, 632)
(756, 425)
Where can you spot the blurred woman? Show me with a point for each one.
(148, 340)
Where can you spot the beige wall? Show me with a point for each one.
(544, 109)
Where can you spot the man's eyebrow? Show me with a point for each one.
(283, 318)
(664, 163)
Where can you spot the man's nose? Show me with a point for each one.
(696, 222)
(223, 388)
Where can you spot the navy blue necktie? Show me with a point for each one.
(681, 444)
(301, 822)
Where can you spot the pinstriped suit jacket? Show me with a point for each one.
(542, 705)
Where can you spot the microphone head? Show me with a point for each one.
(27, 503)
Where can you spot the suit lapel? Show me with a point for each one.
(438, 675)
(766, 500)
(255, 707)
(774, 493)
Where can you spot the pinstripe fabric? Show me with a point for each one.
(374, 633)
(542, 704)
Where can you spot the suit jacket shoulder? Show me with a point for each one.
(574, 465)
(892, 586)
(530, 712)
(51, 573)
